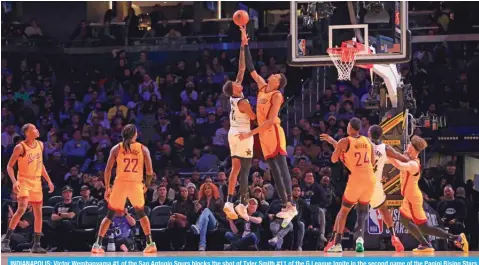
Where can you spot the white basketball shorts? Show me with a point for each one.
(240, 149)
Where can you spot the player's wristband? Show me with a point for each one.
(148, 180)
(248, 59)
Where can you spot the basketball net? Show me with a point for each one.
(344, 58)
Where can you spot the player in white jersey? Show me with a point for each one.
(378, 201)
(241, 151)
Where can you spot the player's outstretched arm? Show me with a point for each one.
(330, 140)
(392, 153)
(245, 107)
(250, 66)
(148, 165)
(109, 166)
(17, 152)
(340, 148)
(242, 65)
(411, 166)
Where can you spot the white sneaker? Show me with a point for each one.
(242, 211)
(229, 211)
(289, 214)
(335, 249)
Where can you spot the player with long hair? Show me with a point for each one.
(130, 158)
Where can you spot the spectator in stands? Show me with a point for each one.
(208, 161)
(86, 199)
(210, 210)
(452, 211)
(277, 230)
(162, 198)
(76, 149)
(63, 218)
(364, 126)
(118, 109)
(247, 235)
(148, 88)
(451, 177)
(429, 186)
(33, 30)
(132, 21)
(310, 149)
(82, 32)
(303, 209)
(121, 231)
(8, 135)
(315, 197)
(182, 214)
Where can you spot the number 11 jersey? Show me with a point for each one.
(129, 164)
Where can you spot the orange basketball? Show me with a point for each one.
(240, 18)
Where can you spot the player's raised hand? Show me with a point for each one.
(51, 187)
(326, 137)
(244, 35)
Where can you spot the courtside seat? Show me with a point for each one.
(87, 226)
(54, 200)
(47, 212)
(159, 218)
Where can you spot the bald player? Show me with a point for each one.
(130, 158)
(28, 184)
(271, 135)
(413, 216)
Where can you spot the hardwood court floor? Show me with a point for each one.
(212, 254)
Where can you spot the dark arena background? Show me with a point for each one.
(81, 71)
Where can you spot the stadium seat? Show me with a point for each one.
(47, 212)
(76, 198)
(159, 217)
(54, 200)
(87, 224)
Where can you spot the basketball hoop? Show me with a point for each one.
(344, 58)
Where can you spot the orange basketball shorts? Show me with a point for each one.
(122, 190)
(31, 188)
(412, 209)
(273, 141)
(360, 188)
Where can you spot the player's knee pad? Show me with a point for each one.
(110, 214)
(140, 213)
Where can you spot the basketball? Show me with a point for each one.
(240, 18)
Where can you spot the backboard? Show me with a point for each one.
(317, 26)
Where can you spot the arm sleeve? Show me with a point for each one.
(248, 59)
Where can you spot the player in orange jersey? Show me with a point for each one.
(357, 154)
(271, 134)
(28, 186)
(413, 216)
(130, 157)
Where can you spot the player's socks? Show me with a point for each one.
(149, 240)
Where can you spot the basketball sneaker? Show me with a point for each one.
(97, 249)
(462, 242)
(229, 211)
(37, 249)
(242, 211)
(328, 246)
(360, 244)
(397, 244)
(287, 214)
(335, 249)
(150, 248)
(424, 248)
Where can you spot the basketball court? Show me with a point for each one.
(214, 254)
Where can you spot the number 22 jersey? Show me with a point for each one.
(129, 164)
